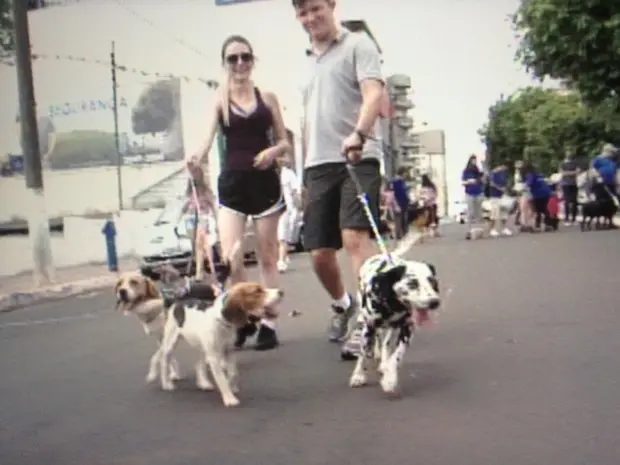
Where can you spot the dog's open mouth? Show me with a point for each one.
(422, 317)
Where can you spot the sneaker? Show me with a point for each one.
(506, 232)
(266, 339)
(282, 266)
(339, 323)
(352, 346)
(568, 223)
(494, 233)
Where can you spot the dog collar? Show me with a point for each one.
(220, 318)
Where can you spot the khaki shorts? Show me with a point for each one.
(498, 212)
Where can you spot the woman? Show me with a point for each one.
(251, 124)
(472, 181)
(199, 207)
(428, 194)
(287, 226)
(540, 193)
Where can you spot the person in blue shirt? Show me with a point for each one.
(401, 195)
(606, 168)
(471, 179)
(498, 184)
(540, 193)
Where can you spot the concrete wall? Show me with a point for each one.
(76, 192)
(81, 243)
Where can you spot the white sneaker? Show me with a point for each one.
(506, 232)
(282, 266)
(494, 233)
(567, 223)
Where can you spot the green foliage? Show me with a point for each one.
(6, 28)
(540, 125)
(156, 107)
(577, 41)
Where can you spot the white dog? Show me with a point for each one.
(396, 296)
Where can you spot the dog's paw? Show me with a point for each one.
(234, 388)
(231, 401)
(168, 386)
(204, 385)
(151, 377)
(358, 380)
(389, 384)
(175, 376)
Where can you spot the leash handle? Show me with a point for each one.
(363, 198)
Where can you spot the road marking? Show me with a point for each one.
(47, 321)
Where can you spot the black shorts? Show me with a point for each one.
(253, 193)
(332, 204)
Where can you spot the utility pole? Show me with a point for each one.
(38, 222)
(119, 157)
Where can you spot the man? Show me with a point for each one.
(342, 101)
(498, 184)
(607, 168)
(569, 171)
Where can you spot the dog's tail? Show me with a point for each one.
(406, 243)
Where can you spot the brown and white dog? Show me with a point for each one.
(138, 295)
(212, 330)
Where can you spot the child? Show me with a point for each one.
(553, 209)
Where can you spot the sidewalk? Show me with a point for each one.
(18, 291)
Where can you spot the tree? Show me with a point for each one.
(539, 125)
(6, 28)
(573, 40)
(156, 107)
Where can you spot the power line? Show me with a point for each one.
(171, 36)
(210, 83)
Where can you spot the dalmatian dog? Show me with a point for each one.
(396, 296)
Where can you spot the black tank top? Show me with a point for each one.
(246, 136)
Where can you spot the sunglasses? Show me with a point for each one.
(235, 58)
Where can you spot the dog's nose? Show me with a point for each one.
(122, 295)
(280, 293)
(433, 304)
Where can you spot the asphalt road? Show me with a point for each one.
(522, 367)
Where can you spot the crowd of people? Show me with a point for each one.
(401, 204)
(533, 199)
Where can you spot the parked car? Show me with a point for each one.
(166, 241)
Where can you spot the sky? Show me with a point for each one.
(459, 54)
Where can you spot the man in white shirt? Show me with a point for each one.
(287, 227)
(343, 96)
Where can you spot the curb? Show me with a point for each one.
(19, 300)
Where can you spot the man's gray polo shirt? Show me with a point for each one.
(332, 97)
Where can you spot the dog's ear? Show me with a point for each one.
(393, 274)
(432, 268)
(234, 314)
(386, 279)
(151, 289)
(118, 284)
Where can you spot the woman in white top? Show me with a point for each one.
(287, 227)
